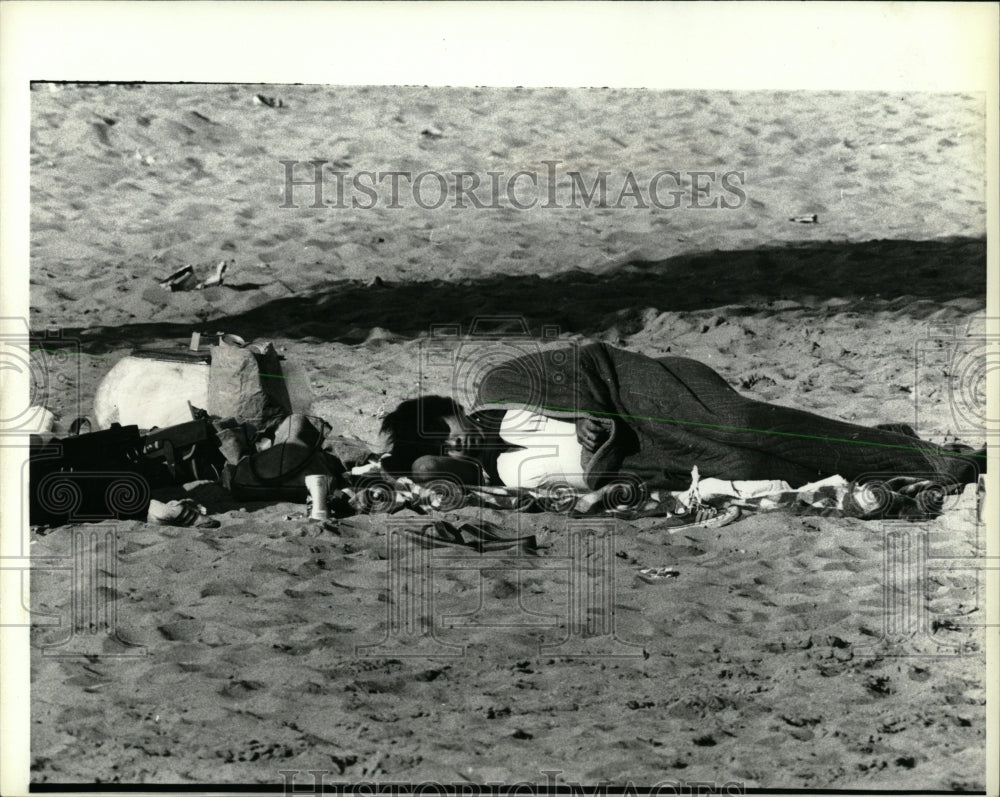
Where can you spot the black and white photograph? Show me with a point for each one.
(463, 434)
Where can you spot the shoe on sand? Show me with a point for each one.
(699, 516)
(482, 537)
(180, 513)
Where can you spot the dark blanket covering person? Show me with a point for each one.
(665, 415)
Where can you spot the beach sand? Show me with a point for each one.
(765, 661)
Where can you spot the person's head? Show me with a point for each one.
(430, 425)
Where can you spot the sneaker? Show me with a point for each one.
(700, 516)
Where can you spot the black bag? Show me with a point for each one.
(93, 476)
(188, 451)
(279, 472)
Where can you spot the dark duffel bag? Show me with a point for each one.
(188, 451)
(279, 472)
(94, 476)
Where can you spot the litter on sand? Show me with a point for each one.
(216, 278)
(185, 279)
(657, 575)
(180, 280)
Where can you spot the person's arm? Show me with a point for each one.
(465, 470)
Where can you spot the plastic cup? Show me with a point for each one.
(318, 487)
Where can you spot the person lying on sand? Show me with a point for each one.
(584, 415)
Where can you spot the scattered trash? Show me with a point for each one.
(270, 102)
(215, 279)
(656, 575)
(812, 218)
(180, 280)
(184, 279)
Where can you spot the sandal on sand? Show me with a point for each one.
(486, 537)
(438, 534)
(180, 513)
(483, 537)
(700, 515)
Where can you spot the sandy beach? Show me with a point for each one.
(766, 661)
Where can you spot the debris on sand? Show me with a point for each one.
(656, 575)
(270, 102)
(215, 279)
(180, 280)
(810, 218)
(184, 279)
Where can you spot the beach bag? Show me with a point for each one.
(246, 383)
(279, 472)
(188, 451)
(153, 388)
(158, 387)
(94, 476)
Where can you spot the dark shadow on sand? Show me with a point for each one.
(590, 303)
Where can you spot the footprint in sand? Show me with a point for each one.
(184, 630)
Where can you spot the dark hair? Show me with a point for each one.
(416, 428)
